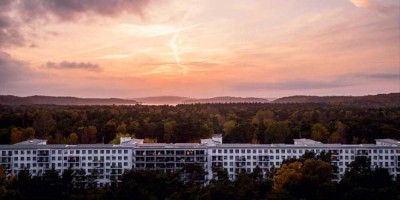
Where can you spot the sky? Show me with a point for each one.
(199, 48)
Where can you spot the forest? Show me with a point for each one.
(238, 123)
(295, 179)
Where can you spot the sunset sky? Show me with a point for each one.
(199, 48)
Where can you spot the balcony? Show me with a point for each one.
(43, 153)
(98, 160)
(73, 160)
(5, 160)
(263, 158)
(241, 158)
(362, 153)
(43, 160)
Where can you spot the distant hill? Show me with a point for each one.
(392, 99)
(161, 100)
(15, 100)
(227, 100)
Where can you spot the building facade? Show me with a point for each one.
(109, 161)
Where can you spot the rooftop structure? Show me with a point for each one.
(129, 140)
(32, 142)
(216, 139)
(389, 142)
(305, 142)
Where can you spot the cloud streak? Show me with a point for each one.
(340, 81)
(73, 65)
(291, 85)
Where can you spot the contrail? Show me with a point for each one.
(172, 45)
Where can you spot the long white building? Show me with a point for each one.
(110, 161)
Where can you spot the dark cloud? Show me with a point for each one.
(73, 65)
(13, 71)
(371, 76)
(9, 33)
(291, 85)
(5, 5)
(9, 30)
(14, 14)
(385, 76)
(74, 9)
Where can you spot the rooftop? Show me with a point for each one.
(206, 143)
(32, 142)
(387, 142)
(304, 141)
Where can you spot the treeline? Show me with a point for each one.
(306, 178)
(238, 123)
